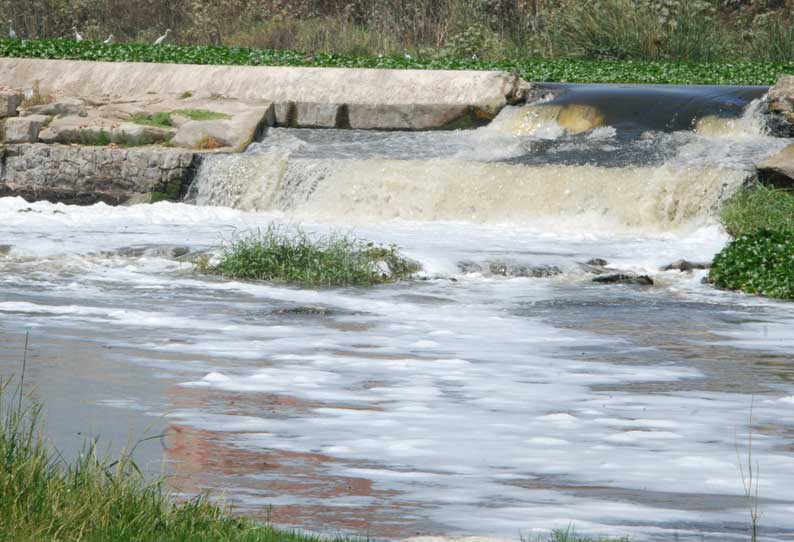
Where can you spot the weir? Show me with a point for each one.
(546, 368)
(628, 157)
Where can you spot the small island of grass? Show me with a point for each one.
(297, 257)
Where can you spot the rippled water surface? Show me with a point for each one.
(464, 402)
(460, 404)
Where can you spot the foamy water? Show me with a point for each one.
(483, 406)
(459, 403)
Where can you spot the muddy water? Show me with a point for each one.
(461, 403)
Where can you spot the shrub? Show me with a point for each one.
(759, 208)
(607, 29)
(568, 71)
(160, 120)
(208, 143)
(758, 263)
(298, 257)
(200, 114)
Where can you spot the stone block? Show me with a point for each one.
(23, 129)
(9, 103)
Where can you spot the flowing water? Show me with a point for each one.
(483, 398)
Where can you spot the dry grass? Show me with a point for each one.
(635, 29)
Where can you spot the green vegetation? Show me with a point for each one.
(757, 209)
(159, 120)
(94, 138)
(201, 114)
(757, 263)
(658, 30)
(43, 499)
(297, 257)
(560, 70)
(760, 260)
(570, 535)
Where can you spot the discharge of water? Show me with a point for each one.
(500, 394)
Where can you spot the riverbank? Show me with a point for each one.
(760, 258)
(93, 499)
(554, 70)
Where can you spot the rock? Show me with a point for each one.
(620, 278)
(65, 107)
(598, 262)
(686, 266)
(9, 103)
(130, 134)
(5, 250)
(24, 129)
(778, 170)
(237, 132)
(69, 130)
(509, 269)
(780, 107)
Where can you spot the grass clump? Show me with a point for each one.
(759, 208)
(94, 138)
(201, 114)
(298, 257)
(209, 143)
(44, 499)
(761, 262)
(159, 120)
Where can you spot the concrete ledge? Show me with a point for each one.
(304, 97)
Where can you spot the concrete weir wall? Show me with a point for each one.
(87, 175)
(303, 97)
(78, 139)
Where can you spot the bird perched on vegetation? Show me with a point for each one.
(77, 35)
(109, 40)
(12, 35)
(161, 39)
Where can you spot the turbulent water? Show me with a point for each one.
(465, 402)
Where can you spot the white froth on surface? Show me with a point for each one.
(466, 397)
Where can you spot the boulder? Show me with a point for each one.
(131, 134)
(509, 269)
(620, 278)
(9, 103)
(237, 132)
(780, 107)
(686, 266)
(778, 170)
(24, 129)
(598, 262)
(65, 107)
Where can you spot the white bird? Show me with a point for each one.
(12, 35)
(109, 40)
(161, 39)
(77, 36)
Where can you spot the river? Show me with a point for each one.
(478, 399)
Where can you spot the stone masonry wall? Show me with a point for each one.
(86, 175)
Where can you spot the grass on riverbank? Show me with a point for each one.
(760, 258)
(555, 70)
(43, 499)
(297, 257)
(759, 208)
